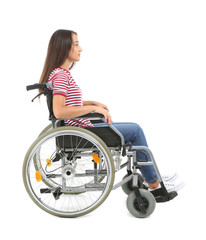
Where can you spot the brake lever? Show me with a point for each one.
(37, 96)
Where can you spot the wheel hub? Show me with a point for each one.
(68, 172)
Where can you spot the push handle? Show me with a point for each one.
(45, 86)
(35, 86)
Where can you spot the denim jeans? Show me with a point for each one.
(133, 133)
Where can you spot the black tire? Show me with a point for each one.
(149, 202)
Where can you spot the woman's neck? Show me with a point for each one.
(66, 65)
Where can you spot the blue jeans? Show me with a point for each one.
(133, 133)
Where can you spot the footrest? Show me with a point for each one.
(167, 198)
(160, 195)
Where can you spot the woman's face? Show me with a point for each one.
(74, 55)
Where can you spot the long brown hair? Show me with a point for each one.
(58, 51)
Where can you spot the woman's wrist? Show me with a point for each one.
(92, 108)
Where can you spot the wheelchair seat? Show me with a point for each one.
(108, 135)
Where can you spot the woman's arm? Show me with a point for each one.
(85, 103)
(62, 111)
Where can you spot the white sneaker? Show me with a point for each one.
(174, 186)
(166, 178)
(169, 177)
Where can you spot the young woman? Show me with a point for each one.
(63, 52)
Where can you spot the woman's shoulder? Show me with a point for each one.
(59, 73)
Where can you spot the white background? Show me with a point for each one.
(144, 59)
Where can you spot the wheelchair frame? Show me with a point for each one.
(140, 203)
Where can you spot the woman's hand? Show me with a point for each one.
(102, 105)
(104, 112)
(100, 108)
(98, 104)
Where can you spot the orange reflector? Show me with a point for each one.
(48, 161)
(38, 176)
(96, 158)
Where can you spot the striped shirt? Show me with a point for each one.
(64, 84)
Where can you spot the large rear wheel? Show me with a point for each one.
(64, 161)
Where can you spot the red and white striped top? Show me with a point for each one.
(64, 84)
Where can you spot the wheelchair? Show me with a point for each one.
(69, 171)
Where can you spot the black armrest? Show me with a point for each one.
(94, 117)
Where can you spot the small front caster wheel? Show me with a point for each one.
(148, 200)
(127, 187)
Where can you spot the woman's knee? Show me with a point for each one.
(137, 128)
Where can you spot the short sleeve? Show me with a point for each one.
(60, 84)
